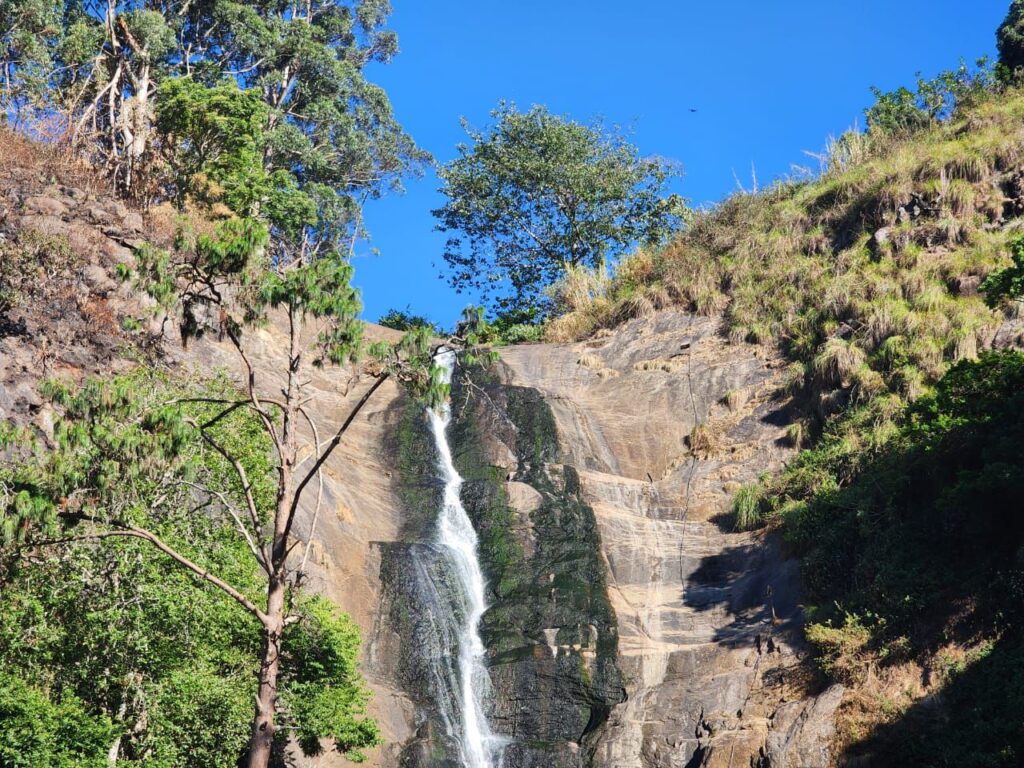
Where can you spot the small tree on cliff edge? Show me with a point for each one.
(536, 193)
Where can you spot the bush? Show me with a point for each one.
(41, 729)
(1010, 41)
(404, 320)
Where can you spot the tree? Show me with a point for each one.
(1007, 284)
(107, 620)
(1010, 40)
(98, 66)
(903, 112)
(284, 258)
(291, 170)
(405, 319)
(535, 193)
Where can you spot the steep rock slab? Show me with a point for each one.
(360, 513)
(668, 420)
(550, 631)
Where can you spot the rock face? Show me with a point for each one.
(664, 421)
(629, 627)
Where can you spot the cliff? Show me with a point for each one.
(629, 626)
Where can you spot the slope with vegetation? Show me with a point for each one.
(884, 280)
(252, 130)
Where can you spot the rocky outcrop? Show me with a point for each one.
(666, 420)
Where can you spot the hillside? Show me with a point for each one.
(905, 505)
(754, 497)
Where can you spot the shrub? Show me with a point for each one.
(746, 506)
(405, 320)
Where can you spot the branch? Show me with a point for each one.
(251, 386)
(319, 493)
(243, 477)
(331, 446)
(124, 529)
(238, 521)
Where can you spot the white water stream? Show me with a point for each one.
(458, 540)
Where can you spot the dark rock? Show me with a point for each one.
(967, 285)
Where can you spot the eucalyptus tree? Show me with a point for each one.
(536, 193)
(97, 65)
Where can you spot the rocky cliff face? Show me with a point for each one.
(664, 421)
(629, 628)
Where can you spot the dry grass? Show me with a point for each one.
(49, 163)
(705, 440)
(853, 273)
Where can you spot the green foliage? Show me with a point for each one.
(157, 651)
(37, 729)
(405, 320)
(1010, 41)
(104, 69)
(903, 112)
(27, 59)
(1007, 283)
(900, 526)
(324, 694)
(213, 140)
(536, 193)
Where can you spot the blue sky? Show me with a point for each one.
(769, 81)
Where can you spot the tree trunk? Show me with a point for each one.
(261, 738)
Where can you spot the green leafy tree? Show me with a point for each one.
(38, 729)
(99, 68)
(1007, 283)
(405, 320)
(251, 271)
(145, 469)
(26, 59)
(535, 193)
(1010, 40)
(903, 112)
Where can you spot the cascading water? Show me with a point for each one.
(478, 747)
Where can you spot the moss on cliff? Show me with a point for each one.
(550, 631)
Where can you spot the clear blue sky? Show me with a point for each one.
(769, 80)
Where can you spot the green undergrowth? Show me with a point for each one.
(913, 540)
(107, 646)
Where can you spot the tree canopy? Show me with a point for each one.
(536, 192)
(1010, 39)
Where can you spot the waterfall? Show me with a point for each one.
(458, 541)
